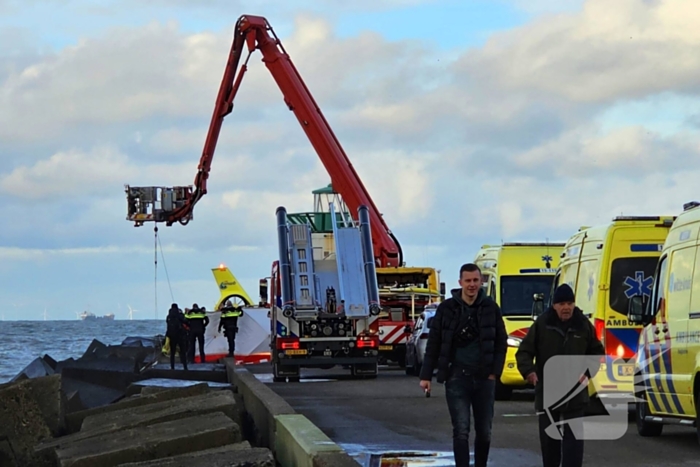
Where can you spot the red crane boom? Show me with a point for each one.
(256, 33)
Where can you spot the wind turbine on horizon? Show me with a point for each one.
(44, 313)
(131, 312)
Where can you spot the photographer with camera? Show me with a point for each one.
(467, 345)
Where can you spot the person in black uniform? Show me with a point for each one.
(229, 321)
(177, 335)
(198, 320)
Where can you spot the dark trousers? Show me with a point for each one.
(231, 337)
(230, 329)
(464, 392)
(197, 337)
(571, 447)
(178, 341)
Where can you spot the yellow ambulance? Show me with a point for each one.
(668, 362)
(606, 265)
(512, 274)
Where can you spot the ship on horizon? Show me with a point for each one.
(88, 316)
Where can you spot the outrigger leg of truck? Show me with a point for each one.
(322, 308)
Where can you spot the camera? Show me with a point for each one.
(468, 333)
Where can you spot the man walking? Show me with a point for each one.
(561, 330)
(467, 346)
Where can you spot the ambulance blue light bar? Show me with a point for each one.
(646, 247)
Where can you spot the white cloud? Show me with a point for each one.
(540, 7)
(126, 76)
(627, 151)
(69, 173)
(13, 253)
(600, 54)
(501, 143)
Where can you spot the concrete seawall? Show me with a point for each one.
(269, 421)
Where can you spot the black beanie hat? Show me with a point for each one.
(564, 293)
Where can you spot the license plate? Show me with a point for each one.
(625, 370)
(296, 352)
(386, 347)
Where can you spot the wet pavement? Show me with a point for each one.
(380, 421)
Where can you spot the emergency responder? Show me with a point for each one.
(561, 330)
(467, 345)
(176, 335)
(229, 321)
(197, 320)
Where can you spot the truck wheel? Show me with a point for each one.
(645, 428)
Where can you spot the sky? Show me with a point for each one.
(470, 122)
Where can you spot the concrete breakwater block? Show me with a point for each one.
(46, 391)
(154, 385)
(222, 401)
(233, 455)
(108, 361)
(30, 411)
(213, 372)
(146, 443)
(155, 342)
(85, 395)
(37, 368)
(75, 420)
(110, 422)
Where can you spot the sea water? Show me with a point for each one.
(23, 341)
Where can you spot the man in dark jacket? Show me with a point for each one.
(561, 330)
(467, 346)
(176, 335)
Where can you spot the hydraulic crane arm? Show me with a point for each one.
(256, 33)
